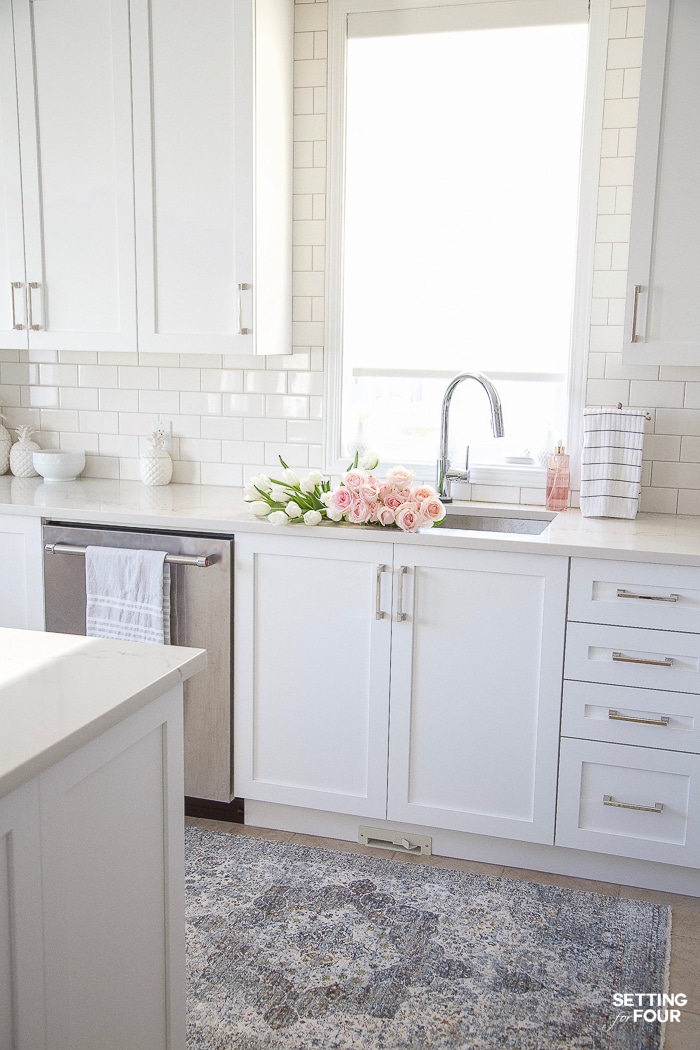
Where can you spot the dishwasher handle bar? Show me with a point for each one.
(202, 561)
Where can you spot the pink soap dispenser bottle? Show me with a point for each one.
(557, 492)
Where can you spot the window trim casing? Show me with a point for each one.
(338, 12)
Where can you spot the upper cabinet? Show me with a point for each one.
(66, 184)
(662, 319)
(146, 157)
(212, 96)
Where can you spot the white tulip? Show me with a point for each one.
(334, 514)
(307, 485)
(326, 497)
(261, 481)
(315, 477)
(278, 517)
(289, 477)
(260, 508)
(292, 510)
(312, 517)
(370, 461)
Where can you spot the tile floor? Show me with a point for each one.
(685, 936)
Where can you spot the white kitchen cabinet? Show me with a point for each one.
(21, 572)
(629, 773)
(66, 176)
(662, 320)
(461, 650)
(212, 94)
(312, 637)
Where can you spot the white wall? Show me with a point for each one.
(232, 416)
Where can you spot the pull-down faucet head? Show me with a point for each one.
(445, 476)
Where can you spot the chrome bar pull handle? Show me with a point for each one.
(622, 593)
(400, 614)
(199, 561)
(635, 311)
(379, 614)
(241, 329)
(608, 800)
(15, 286)
(625, 659)
(31, 324)
(615, 716)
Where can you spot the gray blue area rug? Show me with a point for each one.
(294, 947)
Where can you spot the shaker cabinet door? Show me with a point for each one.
(662, 320)
(476, 691)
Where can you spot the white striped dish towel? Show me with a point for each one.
(611, 462)
(128, 595)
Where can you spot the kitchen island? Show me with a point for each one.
(91, 833)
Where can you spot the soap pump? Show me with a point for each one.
(557, 492)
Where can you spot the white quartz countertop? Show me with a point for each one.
(222, 511)
(59, 691)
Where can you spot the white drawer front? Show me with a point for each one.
(633, 594)
(633, 656)
(629, 801)
(623, 715)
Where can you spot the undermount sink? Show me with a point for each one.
(473, 520)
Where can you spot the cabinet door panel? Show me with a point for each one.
(476, 688)
(21, 573)
(12, 300)
(73, 77)
(311, 667)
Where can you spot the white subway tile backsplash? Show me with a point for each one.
(625, 53)
(656, 393)
(264, 430)
(165, 402)
(200, 404)
(43, 397)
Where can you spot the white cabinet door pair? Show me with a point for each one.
(132, 135)
(414, 684)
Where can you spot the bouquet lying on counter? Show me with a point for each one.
(360, 498)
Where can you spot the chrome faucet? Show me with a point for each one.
(445, 476)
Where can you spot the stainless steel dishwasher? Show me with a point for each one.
(200, 573)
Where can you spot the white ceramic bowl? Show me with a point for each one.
(55, 464)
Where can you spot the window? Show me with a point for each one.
(454, 242)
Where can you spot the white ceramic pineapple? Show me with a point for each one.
(156, 464)
(21, 462)
(5, 444)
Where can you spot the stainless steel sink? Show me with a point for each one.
(473, 520)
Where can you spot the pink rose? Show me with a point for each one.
(360, 512)
(400, 476)
(342, 499)
(432, 509)
(369, 489)
(353, 479)
(392, 501)
(384, 515)
(385, 490)
(421, 493)
(409, 517)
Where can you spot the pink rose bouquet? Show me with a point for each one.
(361, 498)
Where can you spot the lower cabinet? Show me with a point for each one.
(21, 573)
(401, 682)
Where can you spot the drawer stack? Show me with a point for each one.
(629, 772)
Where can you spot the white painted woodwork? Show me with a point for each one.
(76, 166)
(664, 258)
(586, 711)
(11, 229)
(92, 893)
(638, 776)
(669, 595)
(476, 691)
(590, 648)
(21, 573)
(213, 147)
(311, 672)
(22, 1019)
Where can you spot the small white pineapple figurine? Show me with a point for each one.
(21, 461)
(156, 464)
(5, 444)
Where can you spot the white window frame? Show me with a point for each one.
(338, 11)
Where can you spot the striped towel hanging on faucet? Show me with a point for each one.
(611, 462)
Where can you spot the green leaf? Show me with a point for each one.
(283, 464)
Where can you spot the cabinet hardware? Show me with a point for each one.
(662, 720)
(635, 309)
(241, 330)
(621, 593)
(33, 285)
(378, 613)
(623, 658)
(200, 561)
(400, 614)
(608, 800)
(15, 285)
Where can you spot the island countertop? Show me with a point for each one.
(220, 510)
(57, 692)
